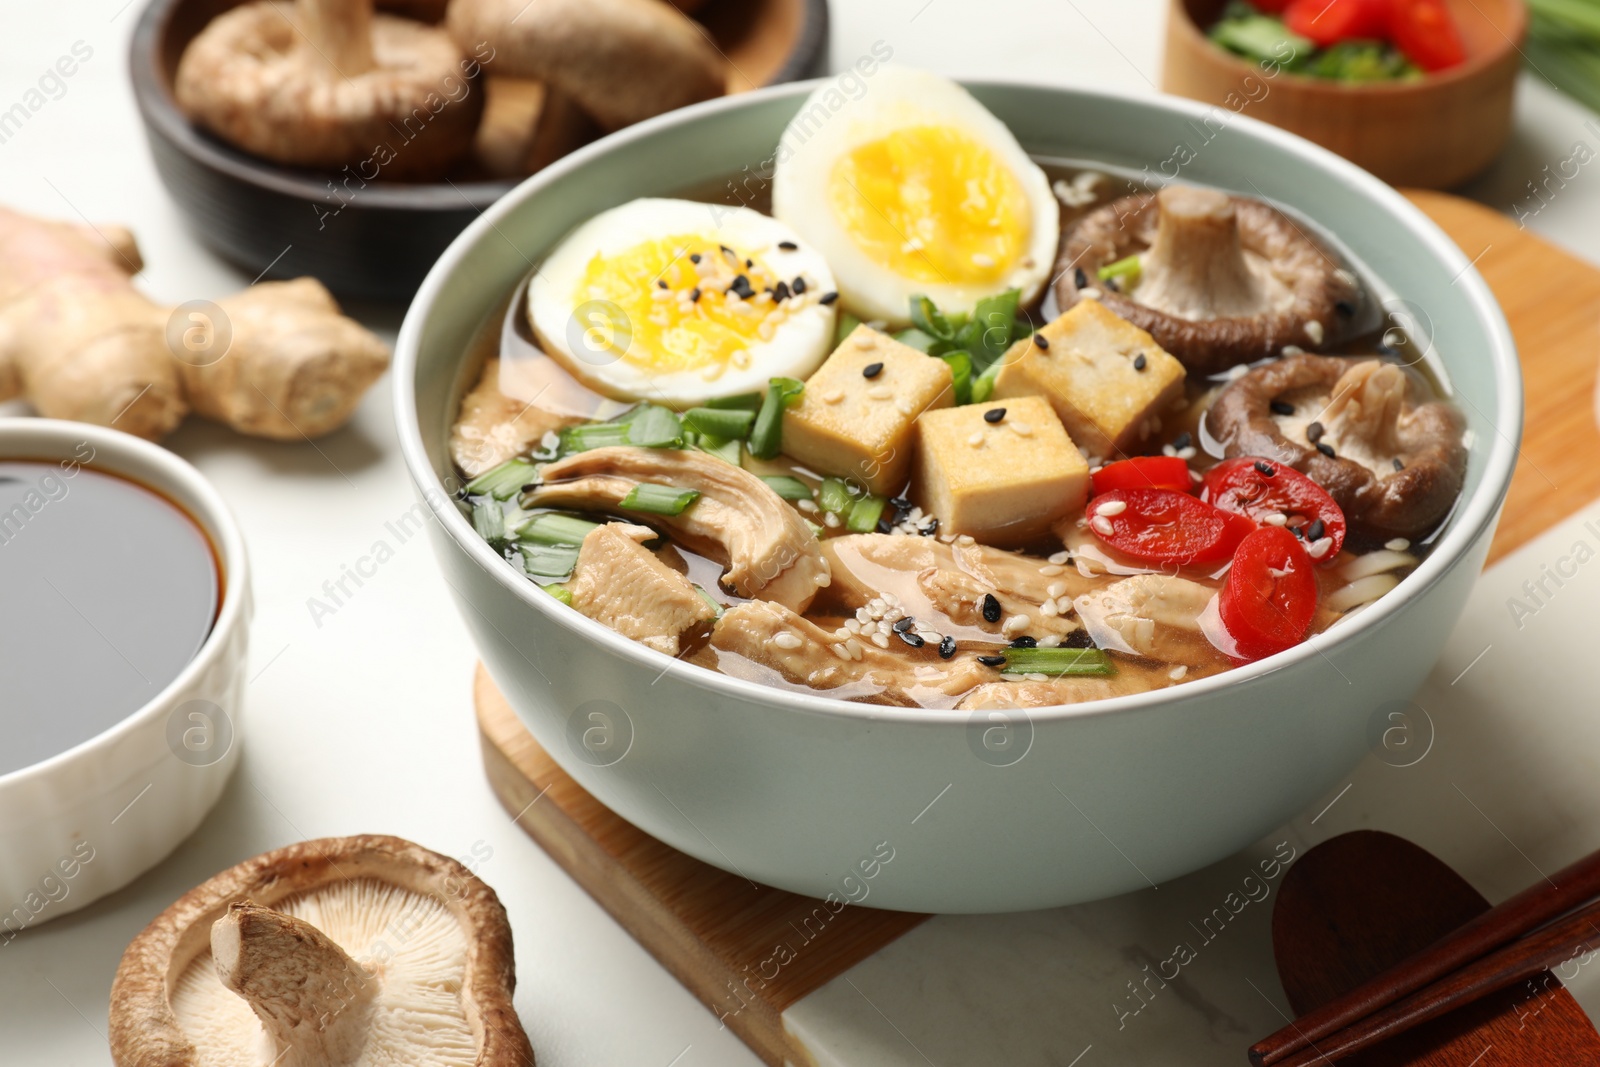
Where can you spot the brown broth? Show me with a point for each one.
(109, 591)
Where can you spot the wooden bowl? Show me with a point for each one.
(376, 240)
(1435, 133)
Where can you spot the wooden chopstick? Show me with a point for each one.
(1569, 888)
(1520, 960)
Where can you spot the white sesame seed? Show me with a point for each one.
(1059, 558)
(807, 506)
(1021, 429)
(1015, 623)
(979, 259)
(1112, 508)
(1187, 453)
(1050, 641)
(785, 639)
(1102, 525)
(1399, 544)
(1057, 588)
(741, 358)
(661, 296)
(1319, 548)
(1089, 294)
(865, 340)
(831, 521)
(976, 440)
(966, 540)
(1052, 570)
(1277, 518)
(880, 640)
(1314, 332)
(1177, 673)
(1036, 677)
(841, 650)
(833, 396)
(881, 392)
(1048, 609)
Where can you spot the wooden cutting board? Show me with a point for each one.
(707, 927)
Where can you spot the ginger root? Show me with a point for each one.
(79, 342)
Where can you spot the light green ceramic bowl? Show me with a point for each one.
(981, 813)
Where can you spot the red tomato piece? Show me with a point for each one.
(1259, 488)
(1144, 472)
(1327, 22)
(1271, 594)
(1165, 526)
(1426, 33)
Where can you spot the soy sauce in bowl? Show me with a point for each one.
(107, 591)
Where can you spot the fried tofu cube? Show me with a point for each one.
(1093, 375)
(1004, 482)
(860, 427)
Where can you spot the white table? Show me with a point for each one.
(363, 723)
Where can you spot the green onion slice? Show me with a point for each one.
(847, 326)
(1126, 269)
(503, 481)
(720, 422)
(787, 487)
(1056, 661)
(835, 496)
(742, 402)
(554, 528)
(550, 562)
(960, 375)
(709, 599)
(655, 427)
(560, 592)
(659, 499)
(864, 514)
(766, 437)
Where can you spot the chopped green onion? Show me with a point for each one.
(655, 427)
(766, 438)
(914, 337)
(864, 514)
(983, 385)
(548, 561)
(489, 520)
(502, 481)
(927, 318)
(659, 499)
(725, 449)
(1126, 270)
(1056, 661)
(816, 530)
(787, 487)
(1262, 38)
(993, 327)
(554, 528)
(709, 599)
(720, 423)
(847, 326)
(742, 402)
(835, 497)
(589, 435)
(960, 375)
(560, 592)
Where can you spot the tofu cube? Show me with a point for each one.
(1003, 482)
(1092, 376)
(861, 428)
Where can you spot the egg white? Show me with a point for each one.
(830, 125)
(560, 311)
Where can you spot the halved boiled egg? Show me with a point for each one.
(679, 302)
(914, 189)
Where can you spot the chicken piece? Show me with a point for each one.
(768, 643)
(765, 546)
(943, 586)
(494, 427)
(1130, 678)
(1152, 615)
(621, 583)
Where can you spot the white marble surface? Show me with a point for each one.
(364, 723)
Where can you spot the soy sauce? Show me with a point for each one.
(107, 591)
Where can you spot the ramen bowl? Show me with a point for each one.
(990, 811)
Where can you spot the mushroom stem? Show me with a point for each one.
(313, 1000)
(1196, 267)
(339, 32)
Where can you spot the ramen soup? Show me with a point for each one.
(109, 590)
(936, 425)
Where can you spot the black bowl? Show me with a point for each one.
(375, 240)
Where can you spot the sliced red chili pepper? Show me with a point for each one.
(1144, 472)
(1327, 22)
(1264, 489)
(1270, 596)
(1426, 32)
(1165, 526)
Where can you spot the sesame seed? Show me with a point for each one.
(992, 661)
(1327, 450)
(904, 624)
(1102, 526)
(947, 647)
(1139, 362)
(694, 294)
(661, 283)
(994, 415)
(914, 640)
(980, 259)
(1025, 642)
(787, 640)
(788, 246)
(1319, 548)
(1314, 432)
(1316, 530)
(1177, 673)
(1021, 429)
(1040, 340)
(695, 258)
(1399, 544)
(1089, 294)
(798, 285)
(1183, 440)
(991, 608)
(833, 396)
(780, 292)
(1112, 508)
(827, 298)
(1080, 279)
(1314, 332)
(1264, 468)
(1276, 518)
(842, 650)
(1281, 407)
(976, 440)
(1398, 466)
(1057, 588)
(881, 392)
(1060, 558)
(1051, 571)
(872, 370)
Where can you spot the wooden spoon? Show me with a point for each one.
(1361, 902)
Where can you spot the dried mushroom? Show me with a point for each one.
(327, 83)
(1367, 431)
(1217, 280)
(344, 951)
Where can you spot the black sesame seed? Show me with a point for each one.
(749, 264)
(827, 298)
(994, 415)
(788, 246)
(904, 624)
(798, 285)
(885, 526)
(1281, 407)
(1040, 340)
(947, 646)
(741, 287)
(1080, 279)
(1398, 466)
(661, 283)
(1345, 308)
(1078, 639)
(899, 503)
(1025, 642)
(695, 258)
(1183, 440)
(1316, 530)
(780, 292)
(991, 608)
(992, 661)
(872, 370)
(914, 640)
(694, 294)
(1298, 531)
(1314, 432)
(1327, 450)
(931, 528)
(1264, 468)
(727, 251)
(1139, 362)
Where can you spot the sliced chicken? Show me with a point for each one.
(943, 586)
(1130, 678)
(1152, 615)
(494, 427)
(621, 583)
(768, 643)
(767, 549)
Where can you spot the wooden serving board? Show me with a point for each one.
(707, 927)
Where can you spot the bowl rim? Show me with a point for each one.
(53, 439)
(1474, 516)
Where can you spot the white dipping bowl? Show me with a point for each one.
(982, 813)
(87, 821)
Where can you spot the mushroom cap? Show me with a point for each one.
(252, 78)
(1372, 413)
(146, 1030)
(1230, 279)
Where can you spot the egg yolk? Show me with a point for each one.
(932, 204)
(681, 303)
